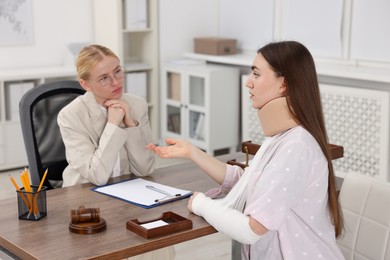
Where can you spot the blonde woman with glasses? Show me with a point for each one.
(105, 131)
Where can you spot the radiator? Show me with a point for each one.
(355, 118)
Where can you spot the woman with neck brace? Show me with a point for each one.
(284, 206)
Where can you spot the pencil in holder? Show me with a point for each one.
(32, 205)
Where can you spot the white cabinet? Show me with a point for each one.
(13, 84)
(200, 103)
(136, 44)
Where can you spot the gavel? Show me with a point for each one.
(83, 214)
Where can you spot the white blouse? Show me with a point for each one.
(290, 199)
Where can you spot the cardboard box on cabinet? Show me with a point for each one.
(215, 46)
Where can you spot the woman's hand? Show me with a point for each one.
(115, 115)
(215, 168)
(175, 149)
(189, 205)
(127, 118)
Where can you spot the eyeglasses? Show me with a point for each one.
(106, 80)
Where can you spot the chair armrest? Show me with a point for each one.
(336, 151)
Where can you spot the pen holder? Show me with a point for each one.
(32, 205)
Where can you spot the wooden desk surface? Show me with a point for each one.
(50, 237)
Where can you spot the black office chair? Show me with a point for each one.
(38, 110)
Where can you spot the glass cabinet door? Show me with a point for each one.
(197, 91)
(174, 119)
(196, 113)
(174, 86)
(174, 105)
(197, 125)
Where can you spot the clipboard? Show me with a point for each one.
(143, 193)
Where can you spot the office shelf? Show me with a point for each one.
(137, 47)
(13, 84)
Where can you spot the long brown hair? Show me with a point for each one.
(294, 61)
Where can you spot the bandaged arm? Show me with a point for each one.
(224, 219)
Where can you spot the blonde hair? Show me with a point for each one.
(88, 57)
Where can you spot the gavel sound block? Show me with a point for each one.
(86, 221)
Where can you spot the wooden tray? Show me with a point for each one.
(175, 222)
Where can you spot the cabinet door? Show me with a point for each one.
(185, 105)
(173, 106)
(196, 100)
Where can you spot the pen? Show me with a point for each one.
(158, 190)
(19, 193)
(42, 181)
(27, 187)
(36, 210)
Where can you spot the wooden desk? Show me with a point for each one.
(50, 237)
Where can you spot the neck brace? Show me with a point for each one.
(275, 117)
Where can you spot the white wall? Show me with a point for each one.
(317, 24)
(252, 22)
(370, 38)
(181, 21)
(335, 31)
(248, 21)
(56, 23)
